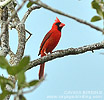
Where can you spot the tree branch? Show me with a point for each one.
(4, 33)
(4, 3)
(11, 53)
(36, 86)
(21, 40)
(14, 12)
(28, 12)
(14, 60)
(40, 3)
(20, 27)
(66, 52)
(5, 39)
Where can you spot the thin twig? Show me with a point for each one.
(40, 3)
(24, 1)
(28, 36)
(14, 26)
(4, 3)
(36, 86)
(28, 12)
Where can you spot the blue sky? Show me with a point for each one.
(84, 72)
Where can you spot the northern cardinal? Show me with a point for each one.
(49, 42)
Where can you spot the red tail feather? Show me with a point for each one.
(41, 70)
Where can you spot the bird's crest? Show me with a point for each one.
(57, 20)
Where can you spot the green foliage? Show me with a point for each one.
(95, 18)
(13, 70)
(21, 66)
(19, 72)
(4, 81)
(30, 4)
(21, 79)
(32, 83)
(22, 97)
(5, 93)
(3, 63)
(97, 5)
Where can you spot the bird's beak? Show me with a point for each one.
(61, 25)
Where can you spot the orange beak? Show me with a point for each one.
(61, 25)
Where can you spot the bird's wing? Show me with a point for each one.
(44, 40)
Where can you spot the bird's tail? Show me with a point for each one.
(41, 70)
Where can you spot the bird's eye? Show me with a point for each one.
(58, 24)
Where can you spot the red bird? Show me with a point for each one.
(49, 42)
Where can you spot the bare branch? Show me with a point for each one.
(20, 27)
(23, 2)
(4, 3)
(28, 12)
(40, 3)
(5, 40)
(11, 53)
(4, 33)
(14, 12)
(66, 52)
(21, 40)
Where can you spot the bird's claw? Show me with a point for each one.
(46, 53)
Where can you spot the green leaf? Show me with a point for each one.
(4, 63)
(22, 97)
(21, 79)
(100, 12)
(103, 15)
(21, 66)
(12, 70)
(3, 86)
(5, 93)
(102, 0)
(33, 83)
(95, 18)
(30, 4)
(30, 84)
(97, 1)
(24, 62)
(4, 81)
(95, 5)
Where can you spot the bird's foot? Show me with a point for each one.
(46, 53)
